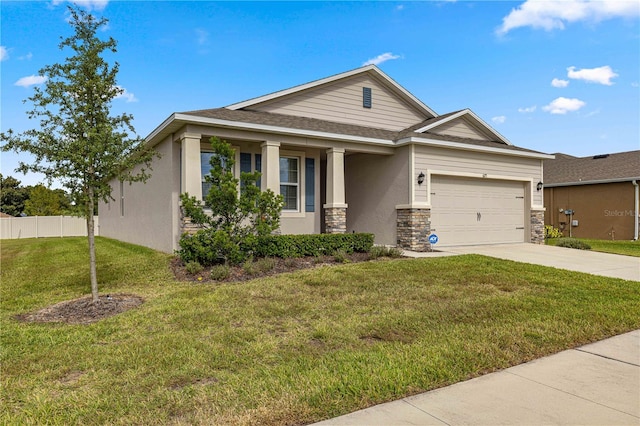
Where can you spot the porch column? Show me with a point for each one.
(335, 210)
(191, 181)
(270, 166)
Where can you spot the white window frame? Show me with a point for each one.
(300, 156)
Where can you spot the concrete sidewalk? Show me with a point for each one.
(596, 384)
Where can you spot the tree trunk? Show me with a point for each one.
(92, 247)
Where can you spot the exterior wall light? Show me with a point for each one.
(420, 178)
(539, 186)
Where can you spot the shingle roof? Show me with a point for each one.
(314, 124)
(566, 169)
(293, 122)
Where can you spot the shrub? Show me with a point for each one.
(551, 232)
(265, 264)
(230, 219)
(382, 251)
(210, 247)
(340, 256)
(248, 267)
(220, 272)
(309, 245)
(193, 267)
(573, 243)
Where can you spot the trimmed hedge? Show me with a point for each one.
(311, 244)
(209, 247)
(573, 243)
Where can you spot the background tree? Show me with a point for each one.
(43, 201)
(12, 196)
(79, 142)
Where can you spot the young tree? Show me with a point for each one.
(79, 142)
(233, 217)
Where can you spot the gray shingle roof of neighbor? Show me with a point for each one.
(621, 166)
(314, 124)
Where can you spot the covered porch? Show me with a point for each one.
(310, 173)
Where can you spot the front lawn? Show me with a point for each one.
(628, 248)
(287, 349)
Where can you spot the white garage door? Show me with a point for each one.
(476, 211)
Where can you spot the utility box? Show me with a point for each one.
(574, 223)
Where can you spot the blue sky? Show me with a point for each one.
(553, 76)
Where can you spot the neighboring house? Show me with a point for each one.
(593, 197)
(354, 152)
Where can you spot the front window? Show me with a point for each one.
(205, 169)
(290, 182)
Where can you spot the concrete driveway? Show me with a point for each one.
(592, 262)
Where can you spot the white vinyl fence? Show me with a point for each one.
(45, 226)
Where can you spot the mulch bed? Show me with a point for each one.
(83, 310)
(239, 273)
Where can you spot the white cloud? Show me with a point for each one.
(202, 36)
(126, 95)
(635, 84)
(527, 109)
(554, 14)
(499, 119)
(600, 75)
(400, 7)
(87, 4)
(30, 80)
(381, 58)
(563, 105)
(4, 53)
(556, 82)
(26, 57)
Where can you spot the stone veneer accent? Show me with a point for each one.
(413, 228)
(186, 226)
(335, 220)
(537, 226)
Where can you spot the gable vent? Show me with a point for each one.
(366, 97)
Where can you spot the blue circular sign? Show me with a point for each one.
(433, 238)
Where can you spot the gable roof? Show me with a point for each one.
(431, 125)
(566, 170)
(251, 116)
(369, 69)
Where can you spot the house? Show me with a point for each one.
(593, 197)
(353, 152)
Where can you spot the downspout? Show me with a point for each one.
(636, 217)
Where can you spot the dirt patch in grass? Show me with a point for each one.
(243, 273)
(83, 310)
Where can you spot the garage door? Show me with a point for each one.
(476, 211)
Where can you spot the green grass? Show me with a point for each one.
(288, 349)
(627, 248)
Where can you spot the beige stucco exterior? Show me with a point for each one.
(147, 214)
(375, 184)
(357, 164)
